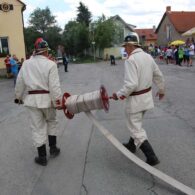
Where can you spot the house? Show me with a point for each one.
(11, 30)
(147, 36)
(173, 24)
(125, 28)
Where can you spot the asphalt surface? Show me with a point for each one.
(88, 163)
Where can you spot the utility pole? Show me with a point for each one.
(93, 43)
(93, 38)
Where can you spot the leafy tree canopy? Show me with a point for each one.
(30, 35)
(104, 32)
(42, 19)
(76, 37)
(84, 15)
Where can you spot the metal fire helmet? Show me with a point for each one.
(132, 38)
(41, 46)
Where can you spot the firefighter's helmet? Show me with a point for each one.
(132, 38)
(41, 46)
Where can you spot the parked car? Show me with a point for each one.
(59, 60)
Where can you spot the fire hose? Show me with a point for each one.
(100, 100)
(97, 100)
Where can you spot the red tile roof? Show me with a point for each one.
(148, 33)
(182, 21)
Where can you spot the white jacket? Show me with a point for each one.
(38, 73)
(140, 71)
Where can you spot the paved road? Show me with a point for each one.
(88, 163)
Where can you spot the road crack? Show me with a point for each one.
(84, 190)
(153, 186)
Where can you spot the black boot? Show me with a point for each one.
(41, 159)
(130, 145)
(151, 158)
(54, 151)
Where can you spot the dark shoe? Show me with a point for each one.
(130, 145)
(41, 159)
(54, 151)
(151, 158)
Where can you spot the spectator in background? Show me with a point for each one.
(176, 55)
(191, 53)
(180, 54)
(65, 63)
(186, 56)
(169, 55)
(20, 64)
(14, 67)
(51, 57)
(8, 65)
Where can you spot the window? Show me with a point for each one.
(168, 28)
(4, 49)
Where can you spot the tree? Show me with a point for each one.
(69, 37)
(76, 38)
(82, 38)
(30, 35)
(84, 15)
(42, 24)
(42, 20)
(53, 36)
(104, 32)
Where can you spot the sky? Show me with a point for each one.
(140, 13)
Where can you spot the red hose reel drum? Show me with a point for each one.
(66, 112)
(103, 98)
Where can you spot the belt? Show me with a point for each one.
(38, 92)
(141, 91)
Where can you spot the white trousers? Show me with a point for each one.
(134, 124)
(43, 123)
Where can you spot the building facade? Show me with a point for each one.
(11, 30)
(173, 24)
(117, 50)
(147, 36)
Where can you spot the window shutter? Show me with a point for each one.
(11, 7)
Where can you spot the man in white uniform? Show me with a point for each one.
(140, 71)
(39, 77)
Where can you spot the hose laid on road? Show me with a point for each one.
(167, 179)
(99, 100)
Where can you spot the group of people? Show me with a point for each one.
(39, 76)
(13, 66)
(181, 55)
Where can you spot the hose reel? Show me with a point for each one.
(96, 100)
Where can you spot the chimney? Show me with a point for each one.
(168, 8)
(154, 28)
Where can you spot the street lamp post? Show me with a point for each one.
(93, 43)
(92, 30)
